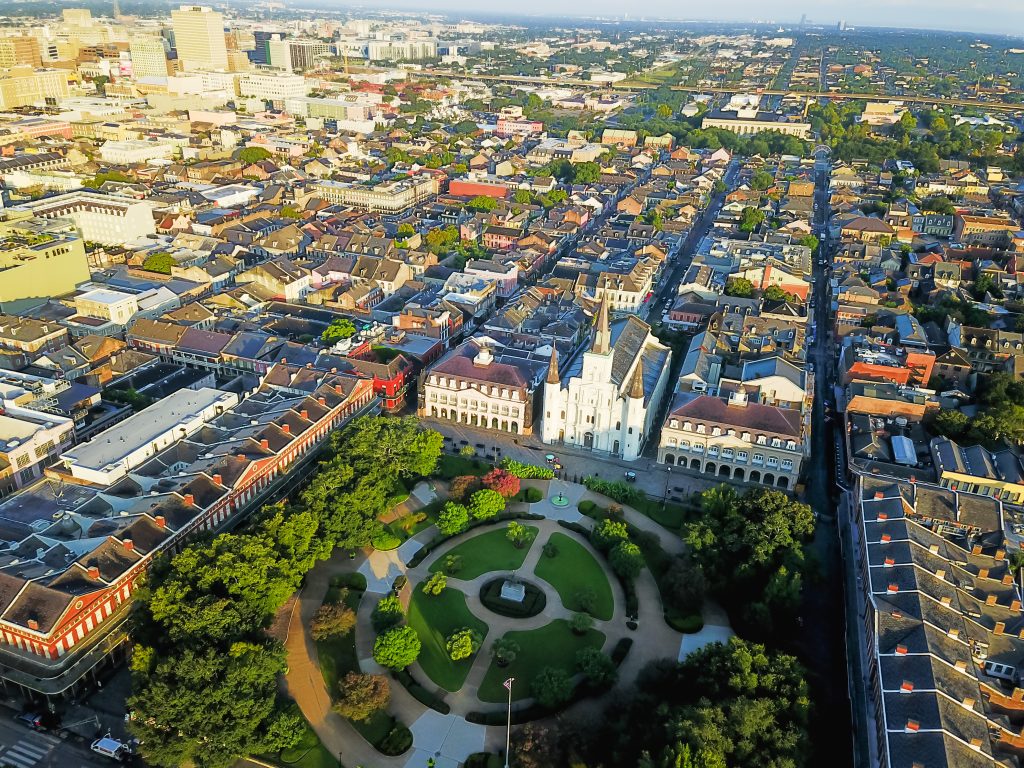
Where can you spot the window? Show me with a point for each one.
(762, 440)
(741, 455)
(787, 464)
(727, 453)
(712, 451)
(759, 458)
(773, 461)
(674, 423)
(791, 445)
(702, 429)
(684, 445)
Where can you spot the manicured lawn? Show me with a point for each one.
(573, 570)
(453, 466)
(553, 645)
(491, 551)
(434, 617)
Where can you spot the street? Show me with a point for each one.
(21, 747)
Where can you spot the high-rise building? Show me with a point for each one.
(149, 57)
(259, 55)
(199, 35)
(22, 86)
(19, 50)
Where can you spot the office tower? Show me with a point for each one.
(20, 50)
(149, 58)
(199, 34)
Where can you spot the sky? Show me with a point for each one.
(991, 16)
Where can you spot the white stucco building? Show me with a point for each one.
(610, 395)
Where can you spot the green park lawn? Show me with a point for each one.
(434, 617)
(491, 551)
(573, 570)
(308, 753)
(553, 645)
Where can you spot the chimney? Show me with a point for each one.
(322, 401)
(890, 562)
(934, 549)
(894, 587)
(33, 625)
(1015, 606)
(990, 600)
(338, 389)
(218, 480)
(913, 478)
(886, 538)
(961, 665)
(265, 444)
(912, 726)
(304, 414)
(334, 370)
(309, 366)
(883, 515)
(284, 361)
(128, 544)
(160, 521)
(969, 702)
(879, 495)
(1007, 579)
(983, 573)
(953, 632)
(945, 600)
(189, 500)
(907, 687)
(1018, 694)
(286, 428)
(1000, 554)
(93, 572)
(941, 574)
(976, 549)
(976, 743)
(901, 650)
(1000, 628)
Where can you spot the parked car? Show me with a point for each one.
(630, 476)
(31, 720)
(111, 748)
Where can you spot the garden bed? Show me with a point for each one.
(532, 604)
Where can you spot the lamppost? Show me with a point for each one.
(668, 477)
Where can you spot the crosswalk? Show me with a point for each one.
(27, 752)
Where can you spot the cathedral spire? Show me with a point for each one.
(553, 367)
(603, 335)
(636, 386)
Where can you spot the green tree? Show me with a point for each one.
(581, 623)
(810, 241)
(586, 173)
(608, 533)
(485, 504)
(388, 613)
(951, 423)
(482, 203)
(463, 643)
(552, 687)
(452, 519)
(159, 261)
(436, 584)
(291, 212)
(523, 196)
(397, 648)
(405, 230)
(761, 180)
(626, 559)
(340, 328)
(332, 619)
(775, 293)
(504, 650)
(362, 696)
(751, 219)
(683, 586)
(250, 155)
(519, 534)
(739, 287)
(664, 111)
(598, 669)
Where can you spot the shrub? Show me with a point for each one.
(385, 541)
(504, 651)
(435, 585)
(464, 486)
(332, 619)
(519, 534)
(621, 650)
(532, 604)
(526, 471)
(585, 599)
(683, 585)
(502, 481)
(626, 560)
(550, 549)
(586, 506)
(618, 490)
(452, 519)
(533, 495)
(597, 668)
(552, 687)
(353, 580)
(387, 614)
(485, 504)
(581, 622)
(688, 624)
(397, 648)
(397, 742)
(362, 695)
(608, 533)
(453, 564)
(467, 451)
(422, 695)
(463, 643)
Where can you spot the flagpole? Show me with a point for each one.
(508, 728)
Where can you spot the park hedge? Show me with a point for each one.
(423, 695)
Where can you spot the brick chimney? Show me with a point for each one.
(879, 495)
(894, 587)
(1000, 628)
(912, 726)
(883, 515)
(322, 401)
(953, 632)
(976, 549)
(286, 428)
(1018, 694)
(990, 599)
(946, 600)
(961, 665)
(304, 414)
(189, 500)
(907, 687)
(969, 702)
(218, 480)
(890, 562)
(886, 538)
(128, 544)
(1015, 605)
(265, 444)
(338, 389)
(976, 743)
(901, 650)
(1007, 579)
(33, 625)
(93, 572)
(160, 521)
(1000, 554)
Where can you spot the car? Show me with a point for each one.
(550, 458)
(630, 476)
(112, 748)
(31, 720)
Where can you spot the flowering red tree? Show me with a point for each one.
(501, 481)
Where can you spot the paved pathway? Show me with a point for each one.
(449, 739)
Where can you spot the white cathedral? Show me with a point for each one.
(611, 394)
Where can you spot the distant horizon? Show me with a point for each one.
(917, 15)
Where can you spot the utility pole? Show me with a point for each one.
(508, 727)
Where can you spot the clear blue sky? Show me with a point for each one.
(995, 16)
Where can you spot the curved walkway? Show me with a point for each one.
(449, 739)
